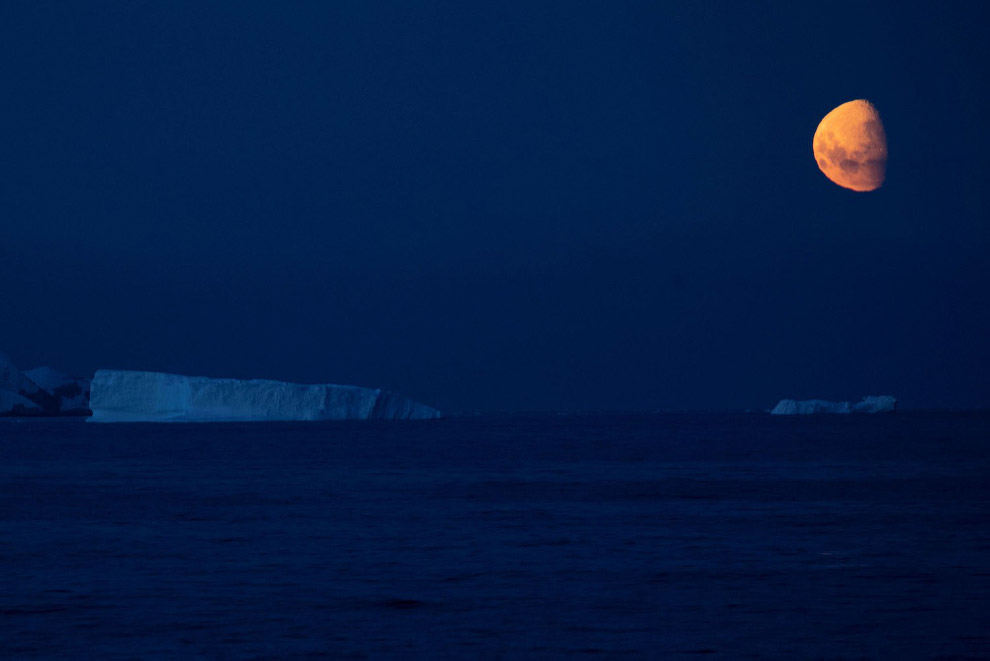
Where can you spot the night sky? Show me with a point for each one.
(499, 206)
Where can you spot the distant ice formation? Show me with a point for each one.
(876, 404)
(12, 379)
(71, 393)
(20, 396)
(124, 396)
(870, 404)
(809, 406)
(12, 404)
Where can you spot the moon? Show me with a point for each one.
(851, 147)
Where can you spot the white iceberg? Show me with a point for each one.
(870, 404)
(125, 396)
(876, 404)
(809, 406)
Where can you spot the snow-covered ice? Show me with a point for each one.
(869, 404)
(126, 396)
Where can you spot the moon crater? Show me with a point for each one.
(850, 146)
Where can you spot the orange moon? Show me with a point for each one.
(851, 146)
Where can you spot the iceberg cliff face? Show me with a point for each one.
(870, 404)
(122, 396)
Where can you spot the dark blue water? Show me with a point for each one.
(660, 536)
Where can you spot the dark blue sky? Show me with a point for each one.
(498, 206)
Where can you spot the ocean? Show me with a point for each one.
(537, 536)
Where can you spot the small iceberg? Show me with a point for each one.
(869, 404)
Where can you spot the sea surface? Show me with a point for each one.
(601, 536)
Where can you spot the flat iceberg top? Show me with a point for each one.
(127, 396)
(869, 404)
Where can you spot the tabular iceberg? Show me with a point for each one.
(876, 404)
(124, 396)
(870, 404)
(809, 406)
